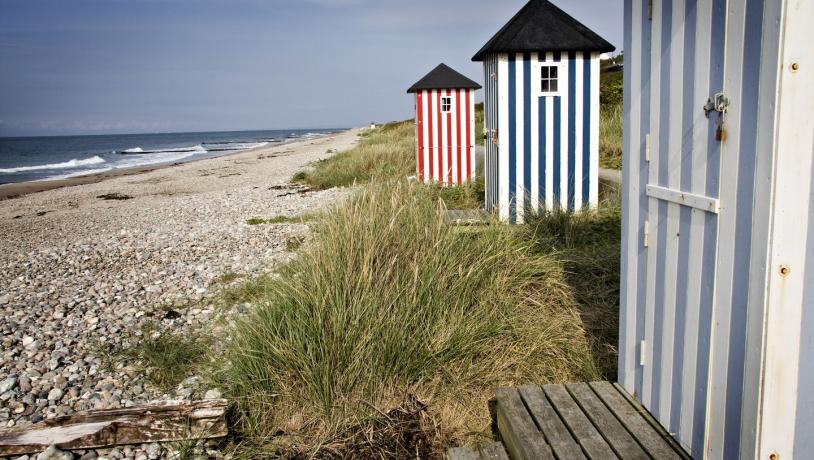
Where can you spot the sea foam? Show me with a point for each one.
(95, 160)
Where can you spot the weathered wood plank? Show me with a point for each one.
(493, 451)
(653, 422)
(584, 432)
(168, 421)
(608, 425)
(520, 435)
(467, 216)
(462, 453)
(554, 430)
(632, 419)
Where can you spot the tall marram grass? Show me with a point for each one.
(588, 244)
(610, 136)
(384, 152)
(389, 300)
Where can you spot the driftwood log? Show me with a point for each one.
(159, 422)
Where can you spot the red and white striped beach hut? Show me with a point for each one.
(445, 126)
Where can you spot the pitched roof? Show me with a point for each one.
(541, 26)
(443, 77)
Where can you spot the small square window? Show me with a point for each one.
(446, 104)
(549, 82)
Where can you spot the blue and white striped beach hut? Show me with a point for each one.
(717, 300)
(541, 112)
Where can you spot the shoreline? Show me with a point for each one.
(20, 189)
(88, 268)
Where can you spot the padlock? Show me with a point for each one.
(720, 132)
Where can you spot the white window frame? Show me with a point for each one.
(539, 80)
(451, 101)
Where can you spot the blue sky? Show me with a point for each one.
(124, 66)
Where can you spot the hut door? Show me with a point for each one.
(672, 212)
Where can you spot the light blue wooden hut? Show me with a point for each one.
(717, 300)
(541, 112)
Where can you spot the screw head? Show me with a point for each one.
(774, 456)
(784, 270)
(795, 67)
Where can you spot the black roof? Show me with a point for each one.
(541, 26)
(443, 77)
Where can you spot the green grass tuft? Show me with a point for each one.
(168, 357)
(281, 220)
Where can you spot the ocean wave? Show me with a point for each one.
(140, 151)
(95, 160)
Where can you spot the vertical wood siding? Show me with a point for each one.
(548, 147)
(693, 299)
(490, 124)
(445, 141)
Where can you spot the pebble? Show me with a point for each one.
(7, 384)
(79, 282)
(213, 394)
(53, 453)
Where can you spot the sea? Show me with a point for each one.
(25, 159)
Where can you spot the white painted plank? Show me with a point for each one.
(534, 124)
(503, 136)
(788, 234)
(730, 158)
(653, 217)
(629, 300)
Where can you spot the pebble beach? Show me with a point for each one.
(85, 266)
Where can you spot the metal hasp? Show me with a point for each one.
(717, 103)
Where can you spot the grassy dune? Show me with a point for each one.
(390, 301)
(386, 336)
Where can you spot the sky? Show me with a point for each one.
(134, 66)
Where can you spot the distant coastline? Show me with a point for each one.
(19, 189)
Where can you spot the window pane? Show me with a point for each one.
(553, 72)
(553, 86)
(545, 71)
(546, 86)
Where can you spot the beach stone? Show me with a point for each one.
(153, 451)
(55, 394)
(53, 453)
(89, 455)
(213, 394)
(7, 384)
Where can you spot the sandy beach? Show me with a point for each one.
(88, 264)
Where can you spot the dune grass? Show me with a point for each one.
(588, 244)
(610, 137)
(610, 120)
(382, 153)
(388, 302)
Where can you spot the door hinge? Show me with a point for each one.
(650, 10)
(642, 353)
(646, 232)
(647, 147)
